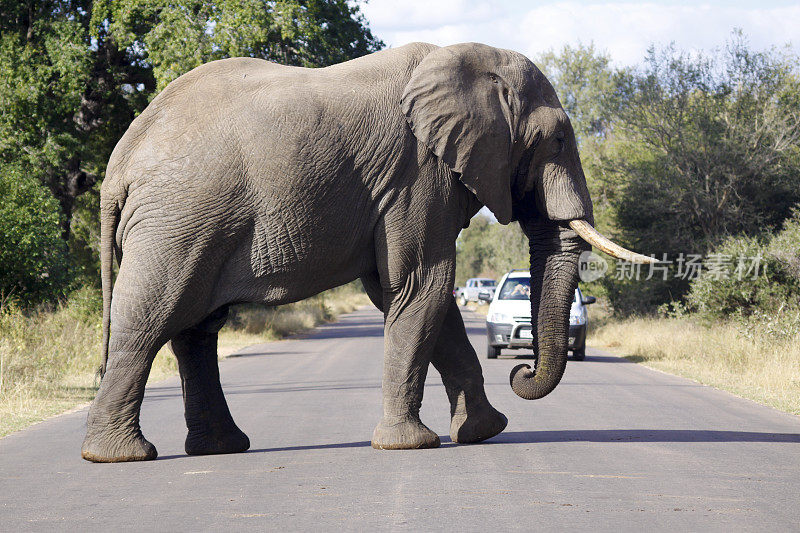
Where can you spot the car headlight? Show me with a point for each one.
(499, 317)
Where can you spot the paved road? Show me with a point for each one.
(617, 446)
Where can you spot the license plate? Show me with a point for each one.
(525, 334)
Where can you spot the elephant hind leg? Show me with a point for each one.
(113, 433)
(208, 419)
(148, 307)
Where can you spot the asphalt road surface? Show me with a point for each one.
(615, 447)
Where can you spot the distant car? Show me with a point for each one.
(473, 289)
(508, 323)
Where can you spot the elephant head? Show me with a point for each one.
(493, 118)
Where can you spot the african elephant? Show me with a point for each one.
(247, 181)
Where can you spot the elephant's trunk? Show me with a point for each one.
(554, 250)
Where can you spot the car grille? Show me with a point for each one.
(522, 319)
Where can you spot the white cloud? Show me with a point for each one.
(624, 29)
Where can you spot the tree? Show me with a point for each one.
(174, 37)
(74, 73)
(586, 85)
(45, 65)
(707, 147)
(32, 253)
(684, 150)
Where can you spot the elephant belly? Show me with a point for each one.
(287, 256)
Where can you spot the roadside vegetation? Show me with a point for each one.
(250, 324)
(740, 334)
(754, 360)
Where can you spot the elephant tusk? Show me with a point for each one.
(603, 243)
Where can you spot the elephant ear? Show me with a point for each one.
(459, 104)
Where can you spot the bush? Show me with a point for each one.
(738, 290)
(638, 297)
(33, 257)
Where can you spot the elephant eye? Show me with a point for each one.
(560, 146)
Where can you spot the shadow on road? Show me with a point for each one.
(174, 391)
(589, 435)
(589, 358)
(345, 332)
(641, 435)
(239, 355)
(606, 359)
(365, 328)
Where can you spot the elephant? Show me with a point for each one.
(249, 181)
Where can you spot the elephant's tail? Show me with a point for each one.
(110, 206)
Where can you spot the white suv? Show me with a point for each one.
(475, 287)
(508, 323)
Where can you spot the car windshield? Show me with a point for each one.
(520, 289)
(516, 289)
(487, 283)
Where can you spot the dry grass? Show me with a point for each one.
(481, 308)
(253, 324)
(752, 360)
(49, 360)
(49, 357)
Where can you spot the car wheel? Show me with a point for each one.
(463, 300)
(580, 354)
(492, 351)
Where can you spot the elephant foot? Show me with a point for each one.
(217, 441)
(102, 448)
(404, 434)
(477, 425)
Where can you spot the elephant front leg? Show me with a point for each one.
(472, 417)
(412, 323)
(208, 419)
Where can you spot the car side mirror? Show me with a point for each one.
(588, 300)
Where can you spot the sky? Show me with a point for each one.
(623, 29)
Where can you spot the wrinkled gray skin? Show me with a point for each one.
(246, 181)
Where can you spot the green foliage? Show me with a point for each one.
(84, 239)
(706, 147)
(636, 297)
(586, 84)
(75, 73)
(32, 253)
(489, 249)
(175, 37)
(45, 63)
(741, 289)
